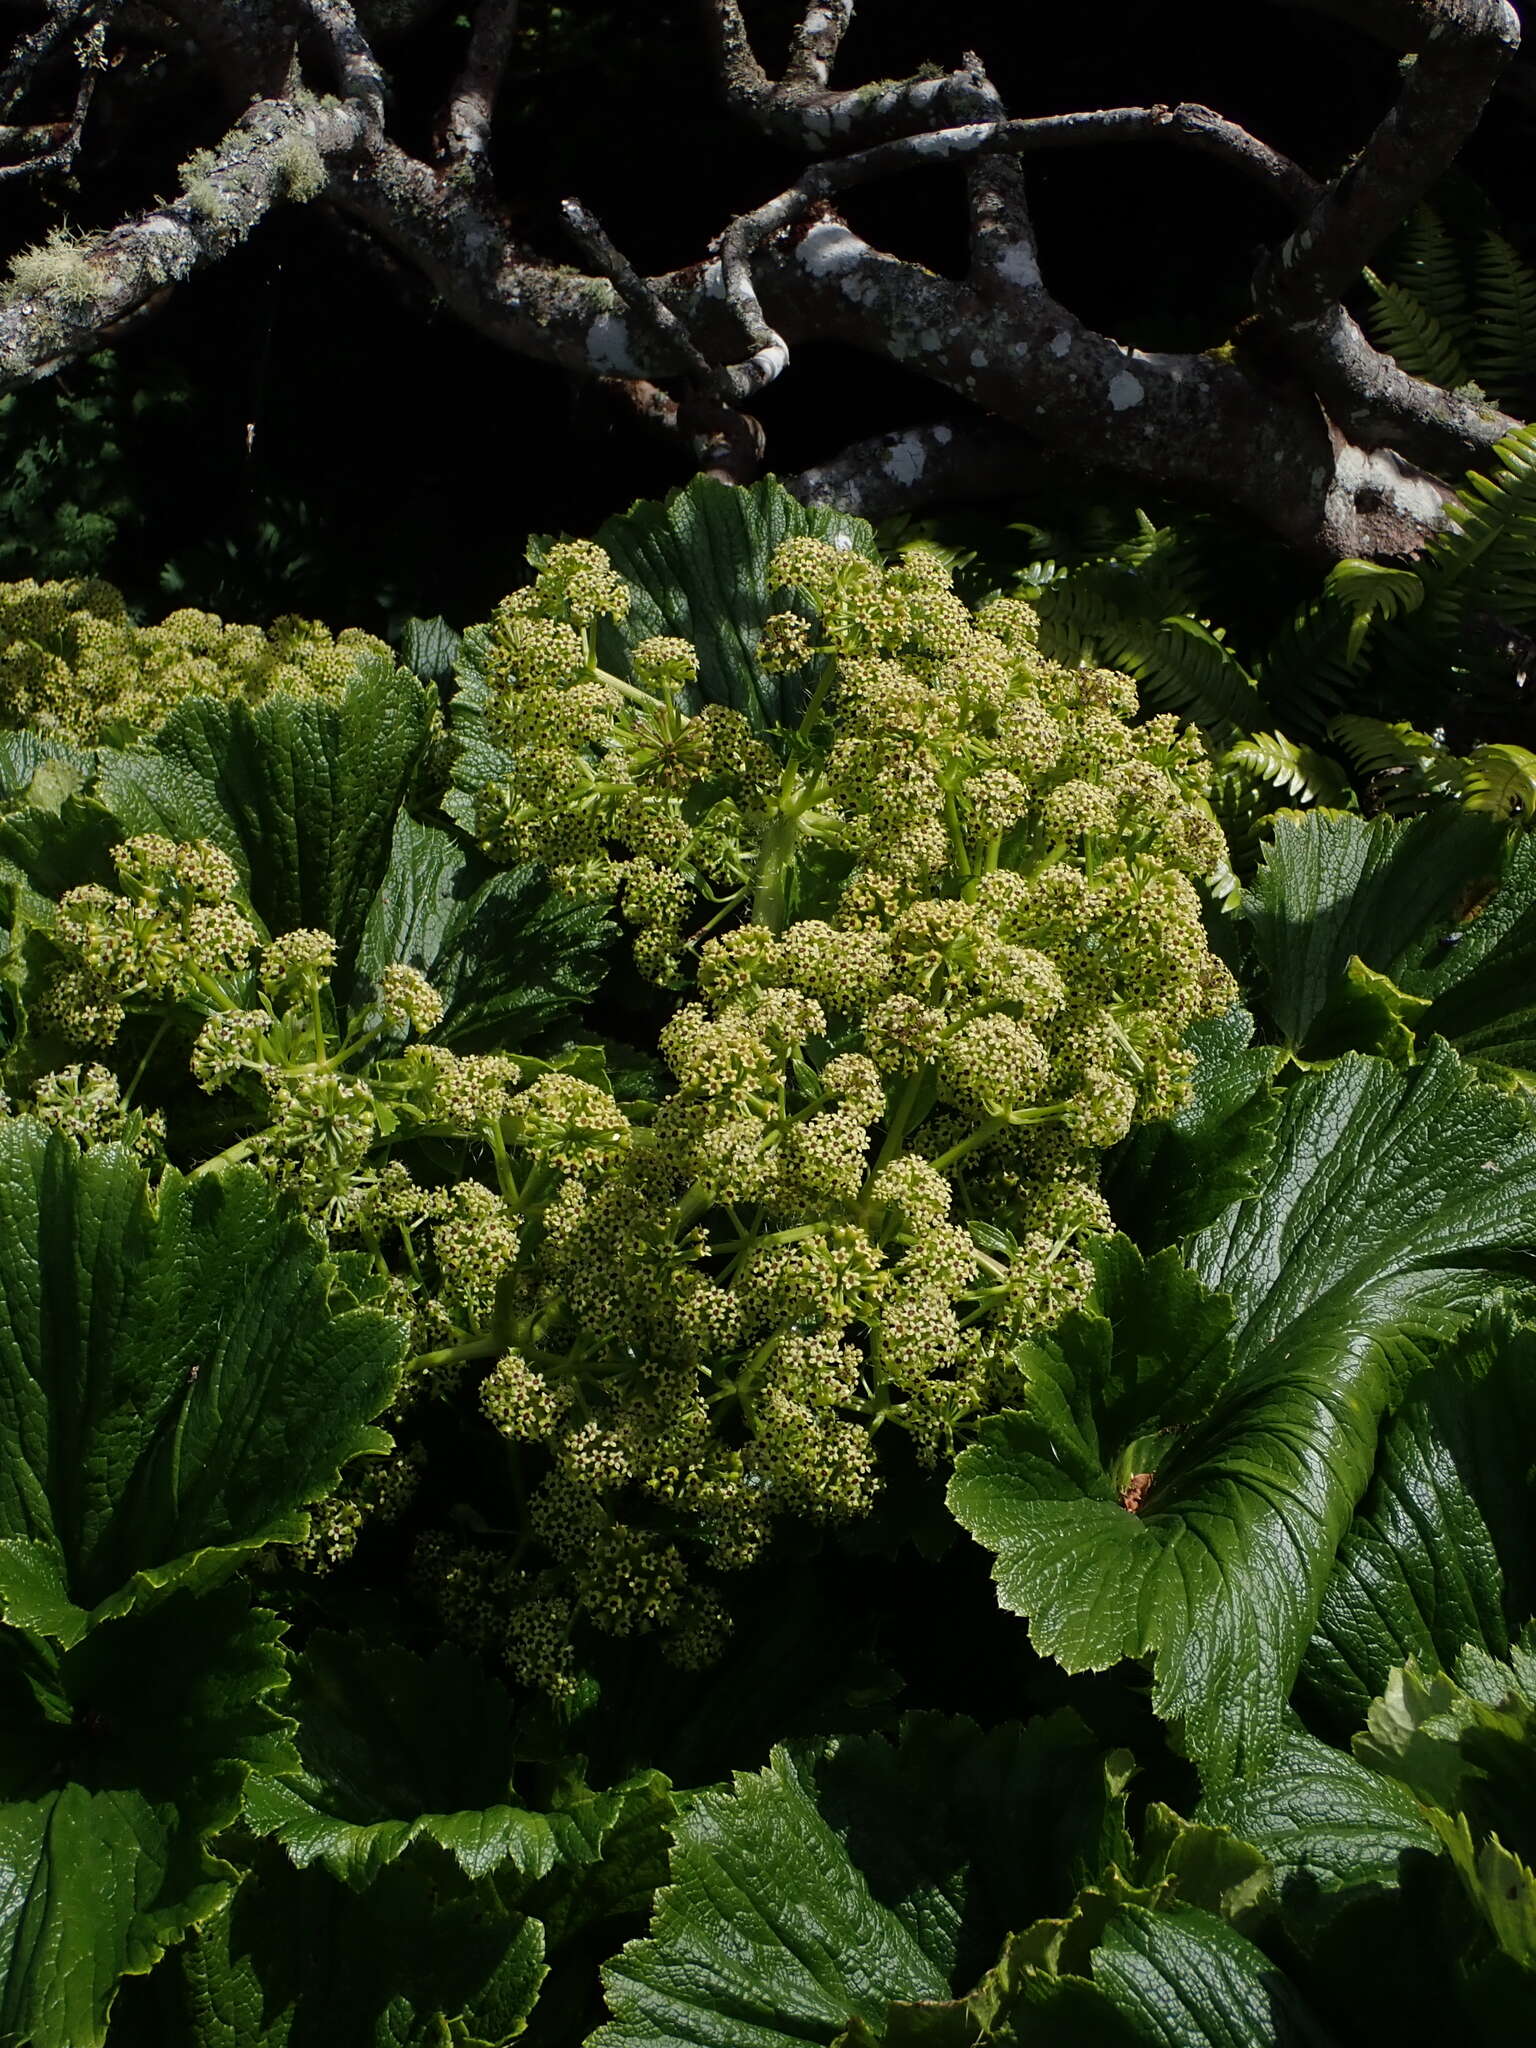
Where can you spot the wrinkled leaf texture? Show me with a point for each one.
(508, 955)
(697, 566)
(1443, 1550)
(1438, 916)
(174, 1390)
(1395, 1201)
(393, 1748)
(301, 793)
(108, 1813)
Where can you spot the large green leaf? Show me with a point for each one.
(1466, 1748)
(59, 845)
(419, 1958)
(1377, 935)
(1172, 1177)
(768, 1933)
(939, 1820)
(1145, 1514)
(429, 648)
(627, 1833)
(302, 793)
(131, 1755)
(507, 953)
(1185, 1977)
(697, 567)
(1480, 972)
(173, 1388)
(1206, 1569)
(1330, 1829)
(1396, 1202)
(394, 1747)
(815, 1893)
(1129, 1967)
(1334, 887)
(1443, 1550)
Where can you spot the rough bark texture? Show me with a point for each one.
(1300, 423)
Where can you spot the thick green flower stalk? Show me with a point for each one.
(72, 662)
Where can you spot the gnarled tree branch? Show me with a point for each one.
(465, 131)
(1300, 421)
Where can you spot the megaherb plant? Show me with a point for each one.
(566, 1203)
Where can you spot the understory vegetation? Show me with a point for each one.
(786, 1301)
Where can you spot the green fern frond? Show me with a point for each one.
(1501, 779)
(1298, 771)
(1487, 555)
(1375, 746)
(1312, 666)
(1401, 324)
(1308, 671)
(1178, 663)
(1368, 591)
(1503, 355)
(1429, 261)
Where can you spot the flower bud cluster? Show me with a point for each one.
(172, 931)
(317, 1102)
(946, 947)
(934, 748)
(72, 661)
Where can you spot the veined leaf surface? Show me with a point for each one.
(810, 1896)
(174, 1390)
(1441, 1553)
(1393, 1202)
(419, 1958)
(394, 1747)
(302, 793)
(107, 1812)
(508, 955)
(697, 566)
(1374, 933)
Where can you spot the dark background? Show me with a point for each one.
(396, 461)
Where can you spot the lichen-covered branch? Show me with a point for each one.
(465, 130)
(949, 459)
(1194, 423)
(1298, 421)
(1460, 47)
(358, 71)
(33, 51)
(816, 42)
(62, 297)
(66, 145)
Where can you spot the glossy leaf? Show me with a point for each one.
(108, 1811)
(508, 955)
(1330, 1830)
(420, 1958)
(768, 1932)
(1187, 1977)
(1441, 1553)
(1378, 936)
(173, 1386)
(697, 566)
(1480, 972)
(393, 1748)
(429, 647)
(813, 1894)
(302, 793)
(1172, 1177)
(1393, 1202)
